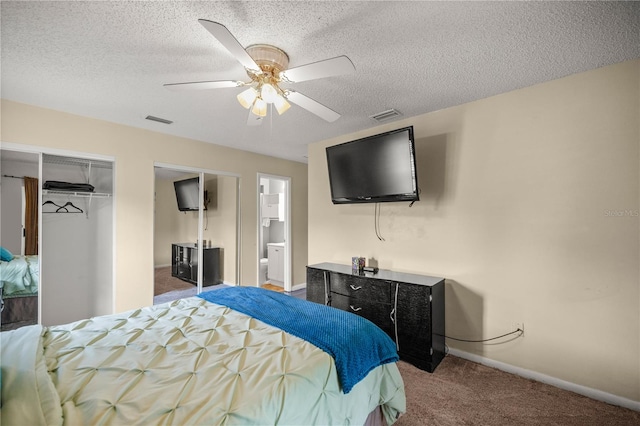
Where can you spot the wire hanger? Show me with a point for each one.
(66, 207)
(51, 202)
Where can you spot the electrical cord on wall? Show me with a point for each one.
(419, 192)
(376, 218)
(519, 331)
(376, 221)
(206, 210)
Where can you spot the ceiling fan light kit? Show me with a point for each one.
(267, 67)
(265, 87)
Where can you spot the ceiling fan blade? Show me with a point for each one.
(203, 85)
(234, 47)
(313, 106)
(327, 68)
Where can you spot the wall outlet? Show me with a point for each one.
(518, 326)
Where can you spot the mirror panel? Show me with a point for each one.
(177, 234)
(20, 276)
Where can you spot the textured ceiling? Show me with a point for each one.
(109, 60)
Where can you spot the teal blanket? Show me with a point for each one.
(356, 344)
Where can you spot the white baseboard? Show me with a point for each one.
(299, 286)
(559, 383)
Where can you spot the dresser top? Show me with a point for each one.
(194, 246)
(383, 274)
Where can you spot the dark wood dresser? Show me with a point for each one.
(408, 307)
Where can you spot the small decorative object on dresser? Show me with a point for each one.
(408, 307)
(357, 264)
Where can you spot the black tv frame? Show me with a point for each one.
(182, 182)
(410, 197)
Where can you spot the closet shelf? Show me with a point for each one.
(82, 162)
(76, 194)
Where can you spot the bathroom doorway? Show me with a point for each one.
(274, 232)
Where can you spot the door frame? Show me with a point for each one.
(287, 228)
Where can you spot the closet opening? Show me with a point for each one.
(57, 235)
(77, 217)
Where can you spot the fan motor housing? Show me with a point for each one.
(269, 58)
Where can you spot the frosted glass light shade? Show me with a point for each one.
(268, 93)
(281, 104)
(247, 97)
(259, 108)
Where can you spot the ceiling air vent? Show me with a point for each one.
(158, 119)
(386, 115)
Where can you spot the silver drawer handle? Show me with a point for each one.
(354, 288)
(355, 309)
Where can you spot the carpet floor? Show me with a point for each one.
(462, 392)
(164, 282)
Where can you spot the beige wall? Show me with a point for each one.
(529, 209)
(135, 151)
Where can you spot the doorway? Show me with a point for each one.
(274, 232)
(195, 223)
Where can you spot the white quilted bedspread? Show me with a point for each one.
(186, 362)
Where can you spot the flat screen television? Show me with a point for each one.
(379, 168)
(188, 194)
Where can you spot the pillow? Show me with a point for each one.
(5, 255)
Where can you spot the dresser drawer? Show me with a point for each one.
(378, 313)
(357, 288)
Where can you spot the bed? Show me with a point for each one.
(204, 360)
(19, 290)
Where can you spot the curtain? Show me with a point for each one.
(31, 215)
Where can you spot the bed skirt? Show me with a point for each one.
(19, 311)
(376, 418)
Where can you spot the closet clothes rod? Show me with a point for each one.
(15, 177)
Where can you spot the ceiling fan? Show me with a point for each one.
(267, 68)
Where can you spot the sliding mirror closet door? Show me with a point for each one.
(77, 238)
(20, 263)
(220, 230)
(195, 224)
(175, 234)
